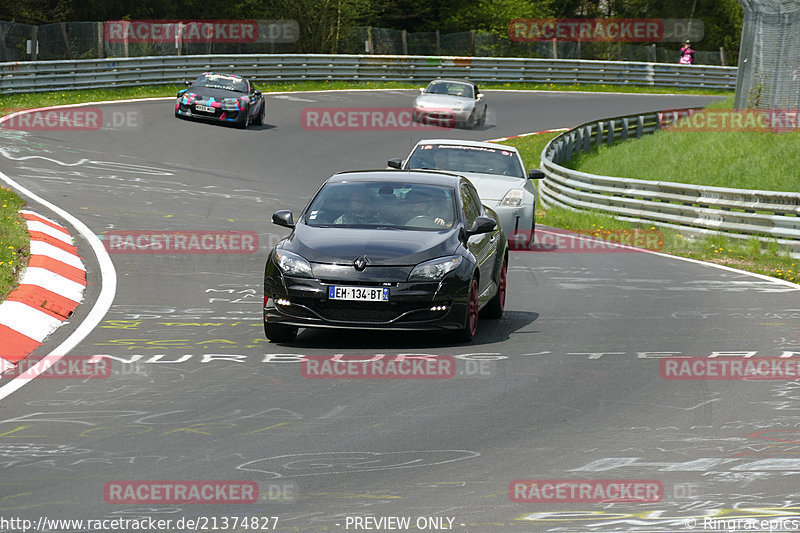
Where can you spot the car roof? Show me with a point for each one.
(464, 142)
(424, 177)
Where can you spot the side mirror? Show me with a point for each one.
(283, 218)
(482, 225)
(187, 83)
(535, 174)
(256, 92)
(395, 163)
(479, 96)
(422, 90)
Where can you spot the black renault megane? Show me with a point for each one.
(387, 250)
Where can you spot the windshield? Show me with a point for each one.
(221, 81)
(383, 205)
(460, 158)
(450, 88)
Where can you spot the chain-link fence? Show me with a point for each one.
(769, 59)
(90, 40)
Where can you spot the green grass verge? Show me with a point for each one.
(14, 241)
(745, 255)
(741, 160)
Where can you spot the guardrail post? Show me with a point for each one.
(568, 148)
(639, 126)
(587, 138)
(611, 131)
(599, 140)
(625, 128)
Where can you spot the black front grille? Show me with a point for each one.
(359, 314)
(365, 312)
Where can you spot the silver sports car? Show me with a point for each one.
(450, 103)
(496, 171)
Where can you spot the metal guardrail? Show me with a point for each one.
(766, 215)
(36, 76)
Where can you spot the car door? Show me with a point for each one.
(481, 246)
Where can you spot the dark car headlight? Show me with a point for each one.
(292, 264)
(435, 269)
(230, 104)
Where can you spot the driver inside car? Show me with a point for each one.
(422, 204)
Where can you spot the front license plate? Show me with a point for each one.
(361, 294)
(204, 108)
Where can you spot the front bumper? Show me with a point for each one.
(441, 116)
(219, 115)
(304, 302)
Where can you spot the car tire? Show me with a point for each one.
(246, 122)
(482, 120)
(467, 333)
(494, 309)
(279, 332)
(259, 120)
(470, 123)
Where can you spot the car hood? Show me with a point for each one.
(382, 247)
(493, 186)
(215, 95)
(443, 100)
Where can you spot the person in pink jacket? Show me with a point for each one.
(687, 54)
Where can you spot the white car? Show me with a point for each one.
(450, 103)
(496, 170)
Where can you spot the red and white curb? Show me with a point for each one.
(49, 290)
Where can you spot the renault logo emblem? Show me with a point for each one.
(360, 263)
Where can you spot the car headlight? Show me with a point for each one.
(230, 104)
(292, 264)
(435, 269)
(513, 198)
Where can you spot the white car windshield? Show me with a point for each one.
(463, 158)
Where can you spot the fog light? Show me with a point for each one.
(282, 301)
(439, 308)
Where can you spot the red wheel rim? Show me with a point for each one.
(473, 308)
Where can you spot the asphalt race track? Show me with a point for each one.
(565, 386)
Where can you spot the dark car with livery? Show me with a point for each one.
(224, 98)
(387, 250)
